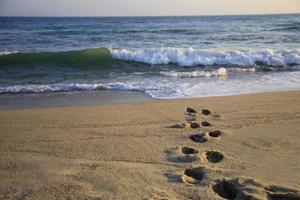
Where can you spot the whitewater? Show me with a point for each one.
(192, 57)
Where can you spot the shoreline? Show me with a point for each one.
(142, 150)
(90, 98)
(70, 99)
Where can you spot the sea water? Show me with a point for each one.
(163, 57)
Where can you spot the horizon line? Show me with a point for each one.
(292, 13)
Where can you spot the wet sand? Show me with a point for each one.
(67, 99)
(247, 147)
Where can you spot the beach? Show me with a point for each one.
(168, 106)
(247, 147)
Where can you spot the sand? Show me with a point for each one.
(148, 150)
(67, 99)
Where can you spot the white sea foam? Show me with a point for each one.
(193, 57)
(166, 87)
(7, 52)
(206, 73)
(238, 69)
(222, 71)
(48, 88)
(197, 73)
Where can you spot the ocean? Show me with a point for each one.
(162, 57)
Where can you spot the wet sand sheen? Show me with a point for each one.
(151, 150)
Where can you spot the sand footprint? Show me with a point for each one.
(182, 154)
(191, 120)
(248, 188)
(194, 125)
(189, 150)
(205, 123)
(212, 156)
(190, 114)
(205, 111)
(193, 175)
(190, 124)
(215, 133)
(190, 110)
(203, 137)
(199, 138)
(225, 189)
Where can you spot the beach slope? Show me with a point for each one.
(247, 146)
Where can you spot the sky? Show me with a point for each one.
(145, 7)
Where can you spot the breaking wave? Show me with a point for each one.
(106, 57)
(193, 57)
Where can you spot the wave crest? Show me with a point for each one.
(7, 52)
(193, 57)
(85, 57)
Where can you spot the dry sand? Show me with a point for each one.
(145, 150)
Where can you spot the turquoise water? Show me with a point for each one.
(164, 57)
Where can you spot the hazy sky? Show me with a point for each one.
(144, 7)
